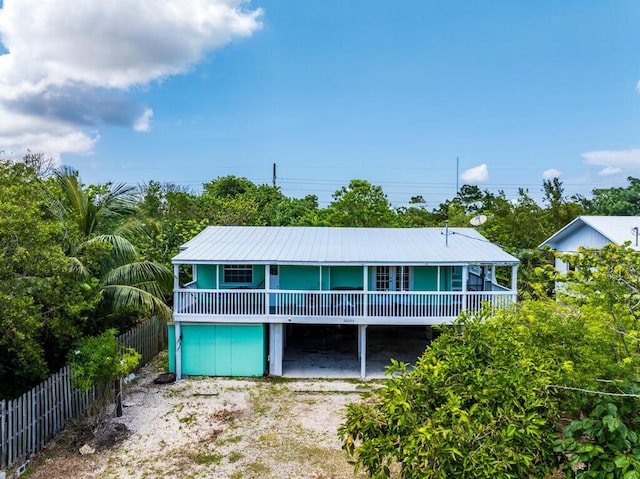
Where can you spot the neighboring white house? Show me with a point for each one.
(594, 232)
(251, 285)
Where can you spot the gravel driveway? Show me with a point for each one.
(217, 428)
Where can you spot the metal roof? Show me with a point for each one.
(616, 229)
(335, 246)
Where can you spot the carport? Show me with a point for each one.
(333, 351)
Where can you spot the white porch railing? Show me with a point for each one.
(410, 304)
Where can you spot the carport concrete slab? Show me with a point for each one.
(306, 359)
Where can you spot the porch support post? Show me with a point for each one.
(276, 347)
(363, 350)
(514, 281)
(465, 280)
(177, 329)
(267, 288)
(176, 286)
(178, 351)
(365, 291)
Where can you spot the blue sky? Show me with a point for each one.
(391, 92)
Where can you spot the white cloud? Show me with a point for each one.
(70, 62)
(477, 174)
(614, 161)
(551, 173)
(142, 123)
(615, 158)
(638, 86)
(609, 170)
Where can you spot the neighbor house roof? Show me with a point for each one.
(324, 245)
(595, 232)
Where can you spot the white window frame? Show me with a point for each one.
(393, 273)
(237, 269)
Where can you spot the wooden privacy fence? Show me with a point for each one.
(28, 422)
(148, 338)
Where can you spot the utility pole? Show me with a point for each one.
(274, 174)
(457, 174)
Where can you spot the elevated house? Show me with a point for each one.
(250, 285)
(594, 232)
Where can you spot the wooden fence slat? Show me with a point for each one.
(3, 434)
(10, 434)
(27, 423)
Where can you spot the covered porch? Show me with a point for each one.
(342, 295)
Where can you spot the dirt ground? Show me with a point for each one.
(215, 428)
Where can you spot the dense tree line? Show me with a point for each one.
(81, 259)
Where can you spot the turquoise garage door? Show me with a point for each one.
(220, 350)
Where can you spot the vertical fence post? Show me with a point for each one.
(3, 434)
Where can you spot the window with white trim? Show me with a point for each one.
(402, 278)
(392, 278)
(383, 278)
(238, 273)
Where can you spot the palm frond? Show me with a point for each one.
(139, 273)
(118, 201)
(122, 298)
(122, 250)
(77, 269)
(79, 206)
(138, 228)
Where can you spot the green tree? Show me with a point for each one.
(43, 309)
(560, 211)
(615, 201)
(360, 204)
(416, 214)
(607, 281)
(98, 221)
(230, 200)
(604, 440)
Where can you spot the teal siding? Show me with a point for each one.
(326, 273)
(220, 350)
(346, 276)
(425, 278)
(207, 276)
(300, 277)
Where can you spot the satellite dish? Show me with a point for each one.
(477, 220)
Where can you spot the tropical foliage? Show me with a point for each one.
(476, 405)
(79, 259)
(100, 362)
(99, 220)
(490, 396)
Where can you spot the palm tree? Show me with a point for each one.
(98, 220)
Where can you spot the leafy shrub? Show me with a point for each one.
(100, 360)
(476, 405)
(606, 443)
